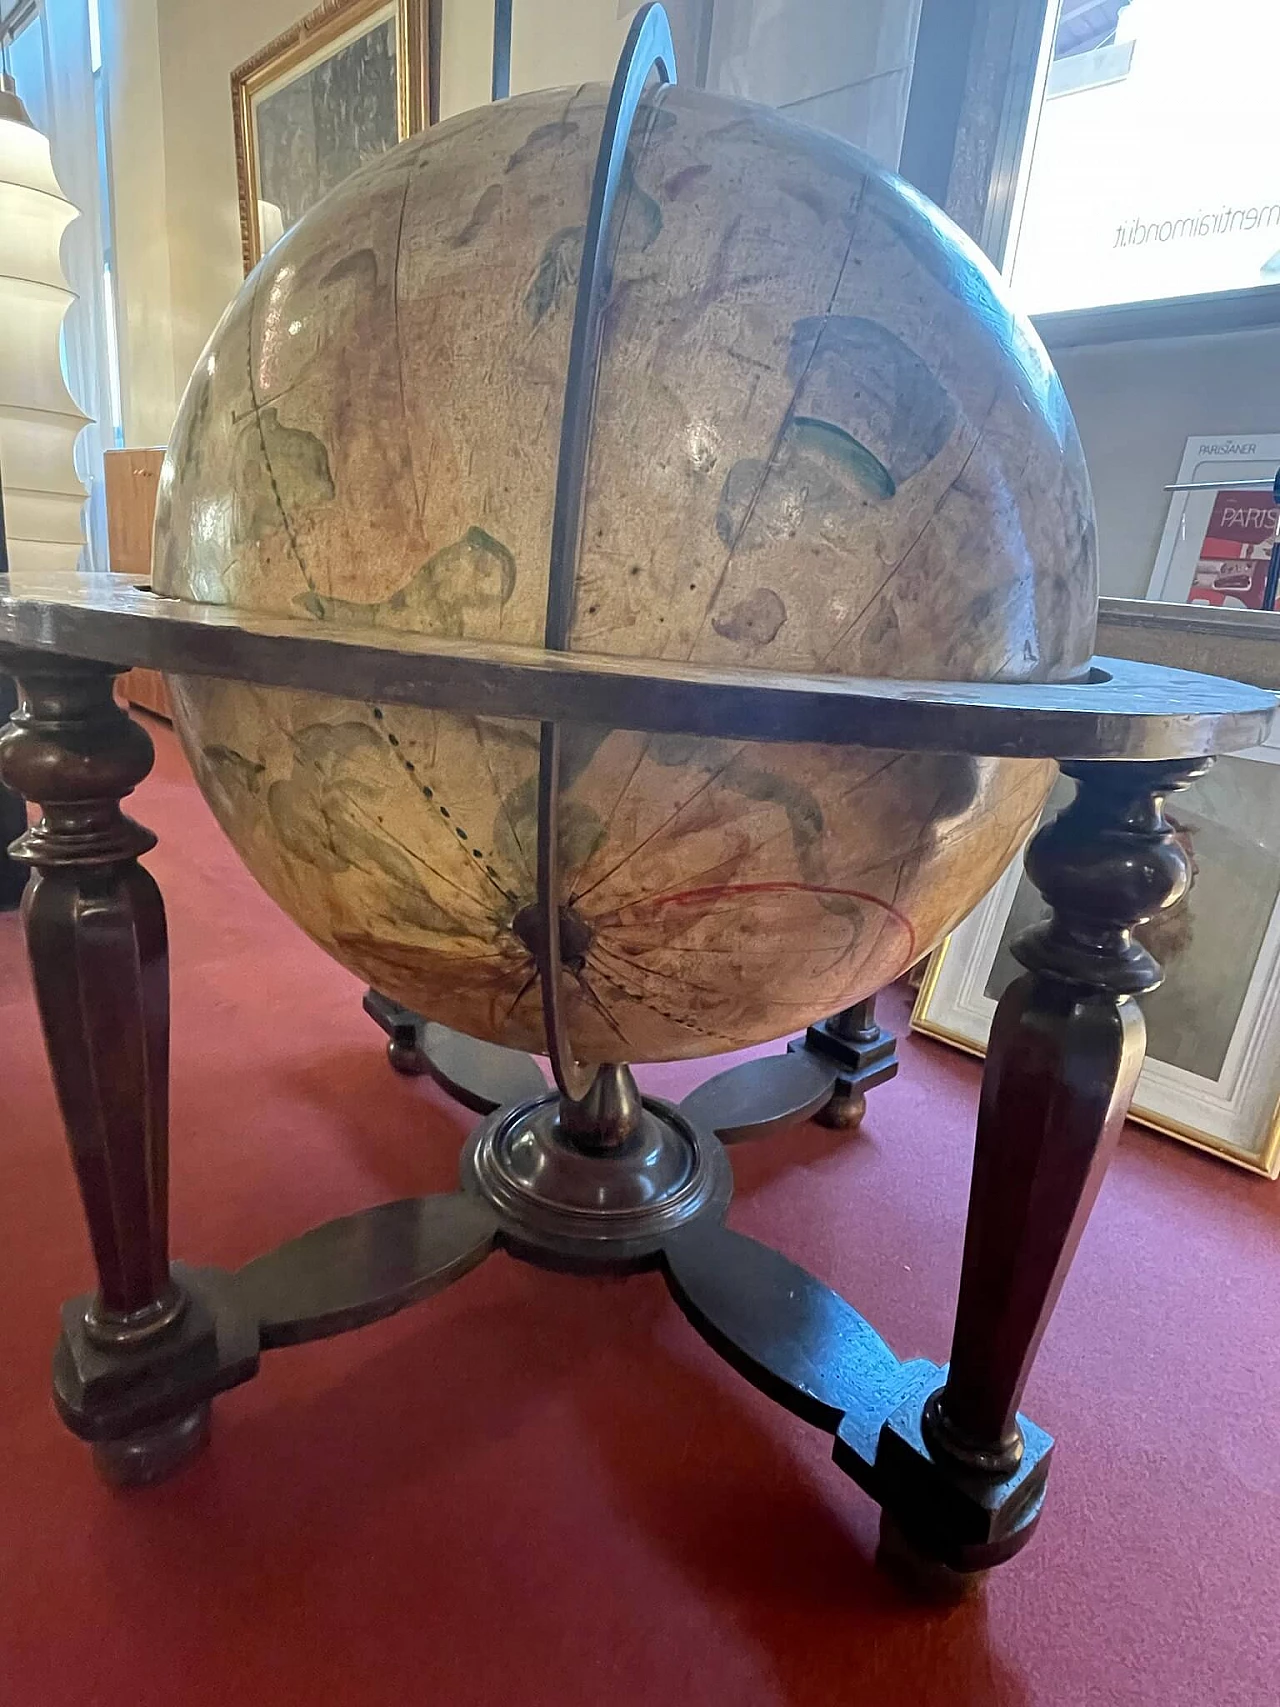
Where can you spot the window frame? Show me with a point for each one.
(15, 17)
(977, 79)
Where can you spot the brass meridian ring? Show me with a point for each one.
(648, 49)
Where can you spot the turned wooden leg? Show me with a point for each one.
(13, 817)
(1065, 1051)
(963, 1473)
(959, 1473)
(1064, 1055)
(96, 937)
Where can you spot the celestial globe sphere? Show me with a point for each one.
(823, 443)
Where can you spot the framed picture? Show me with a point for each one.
(348, 81)
(1216, 544)
(1212, 1072)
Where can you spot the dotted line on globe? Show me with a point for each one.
(428, 793)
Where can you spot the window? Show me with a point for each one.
(1085, 26)
(1154, 168)
(22, 56)
(1086, 52)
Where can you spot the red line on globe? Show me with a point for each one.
(717, 891)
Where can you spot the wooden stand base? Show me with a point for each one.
(920, 1576)
(156, 1453)
(958, 1471)
(825, 1077)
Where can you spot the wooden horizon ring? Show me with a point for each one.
(1122, 710)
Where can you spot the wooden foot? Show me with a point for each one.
(403, 1028)
(844, 1110)
(153, 1454)
(866, 1053)
(923, 1577)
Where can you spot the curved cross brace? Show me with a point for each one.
(825, 1077)
(804, 1347)
(360, 1268)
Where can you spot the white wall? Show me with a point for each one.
(200, 46)
(176, 219)
(845, 68)
(1137, 405)
(555, 42)
(466, 55)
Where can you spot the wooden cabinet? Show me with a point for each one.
(132, 478)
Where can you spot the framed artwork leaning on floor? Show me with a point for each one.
(1216, 543)
(345, 83)
(1212, 1072)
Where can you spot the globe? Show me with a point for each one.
(823, 443)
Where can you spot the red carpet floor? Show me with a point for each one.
(542, 1490)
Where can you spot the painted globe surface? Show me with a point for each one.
(823, 443)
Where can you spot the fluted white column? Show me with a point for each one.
(39, 420)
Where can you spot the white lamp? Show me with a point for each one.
(39, 420)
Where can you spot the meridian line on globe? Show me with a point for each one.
(905, 558)
(770, 463)
(718, 892)
(684, 805)
(788, 415)
(256, 411)
(418, 500)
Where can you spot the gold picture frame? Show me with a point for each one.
(1227, 1104)
(337, 35)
